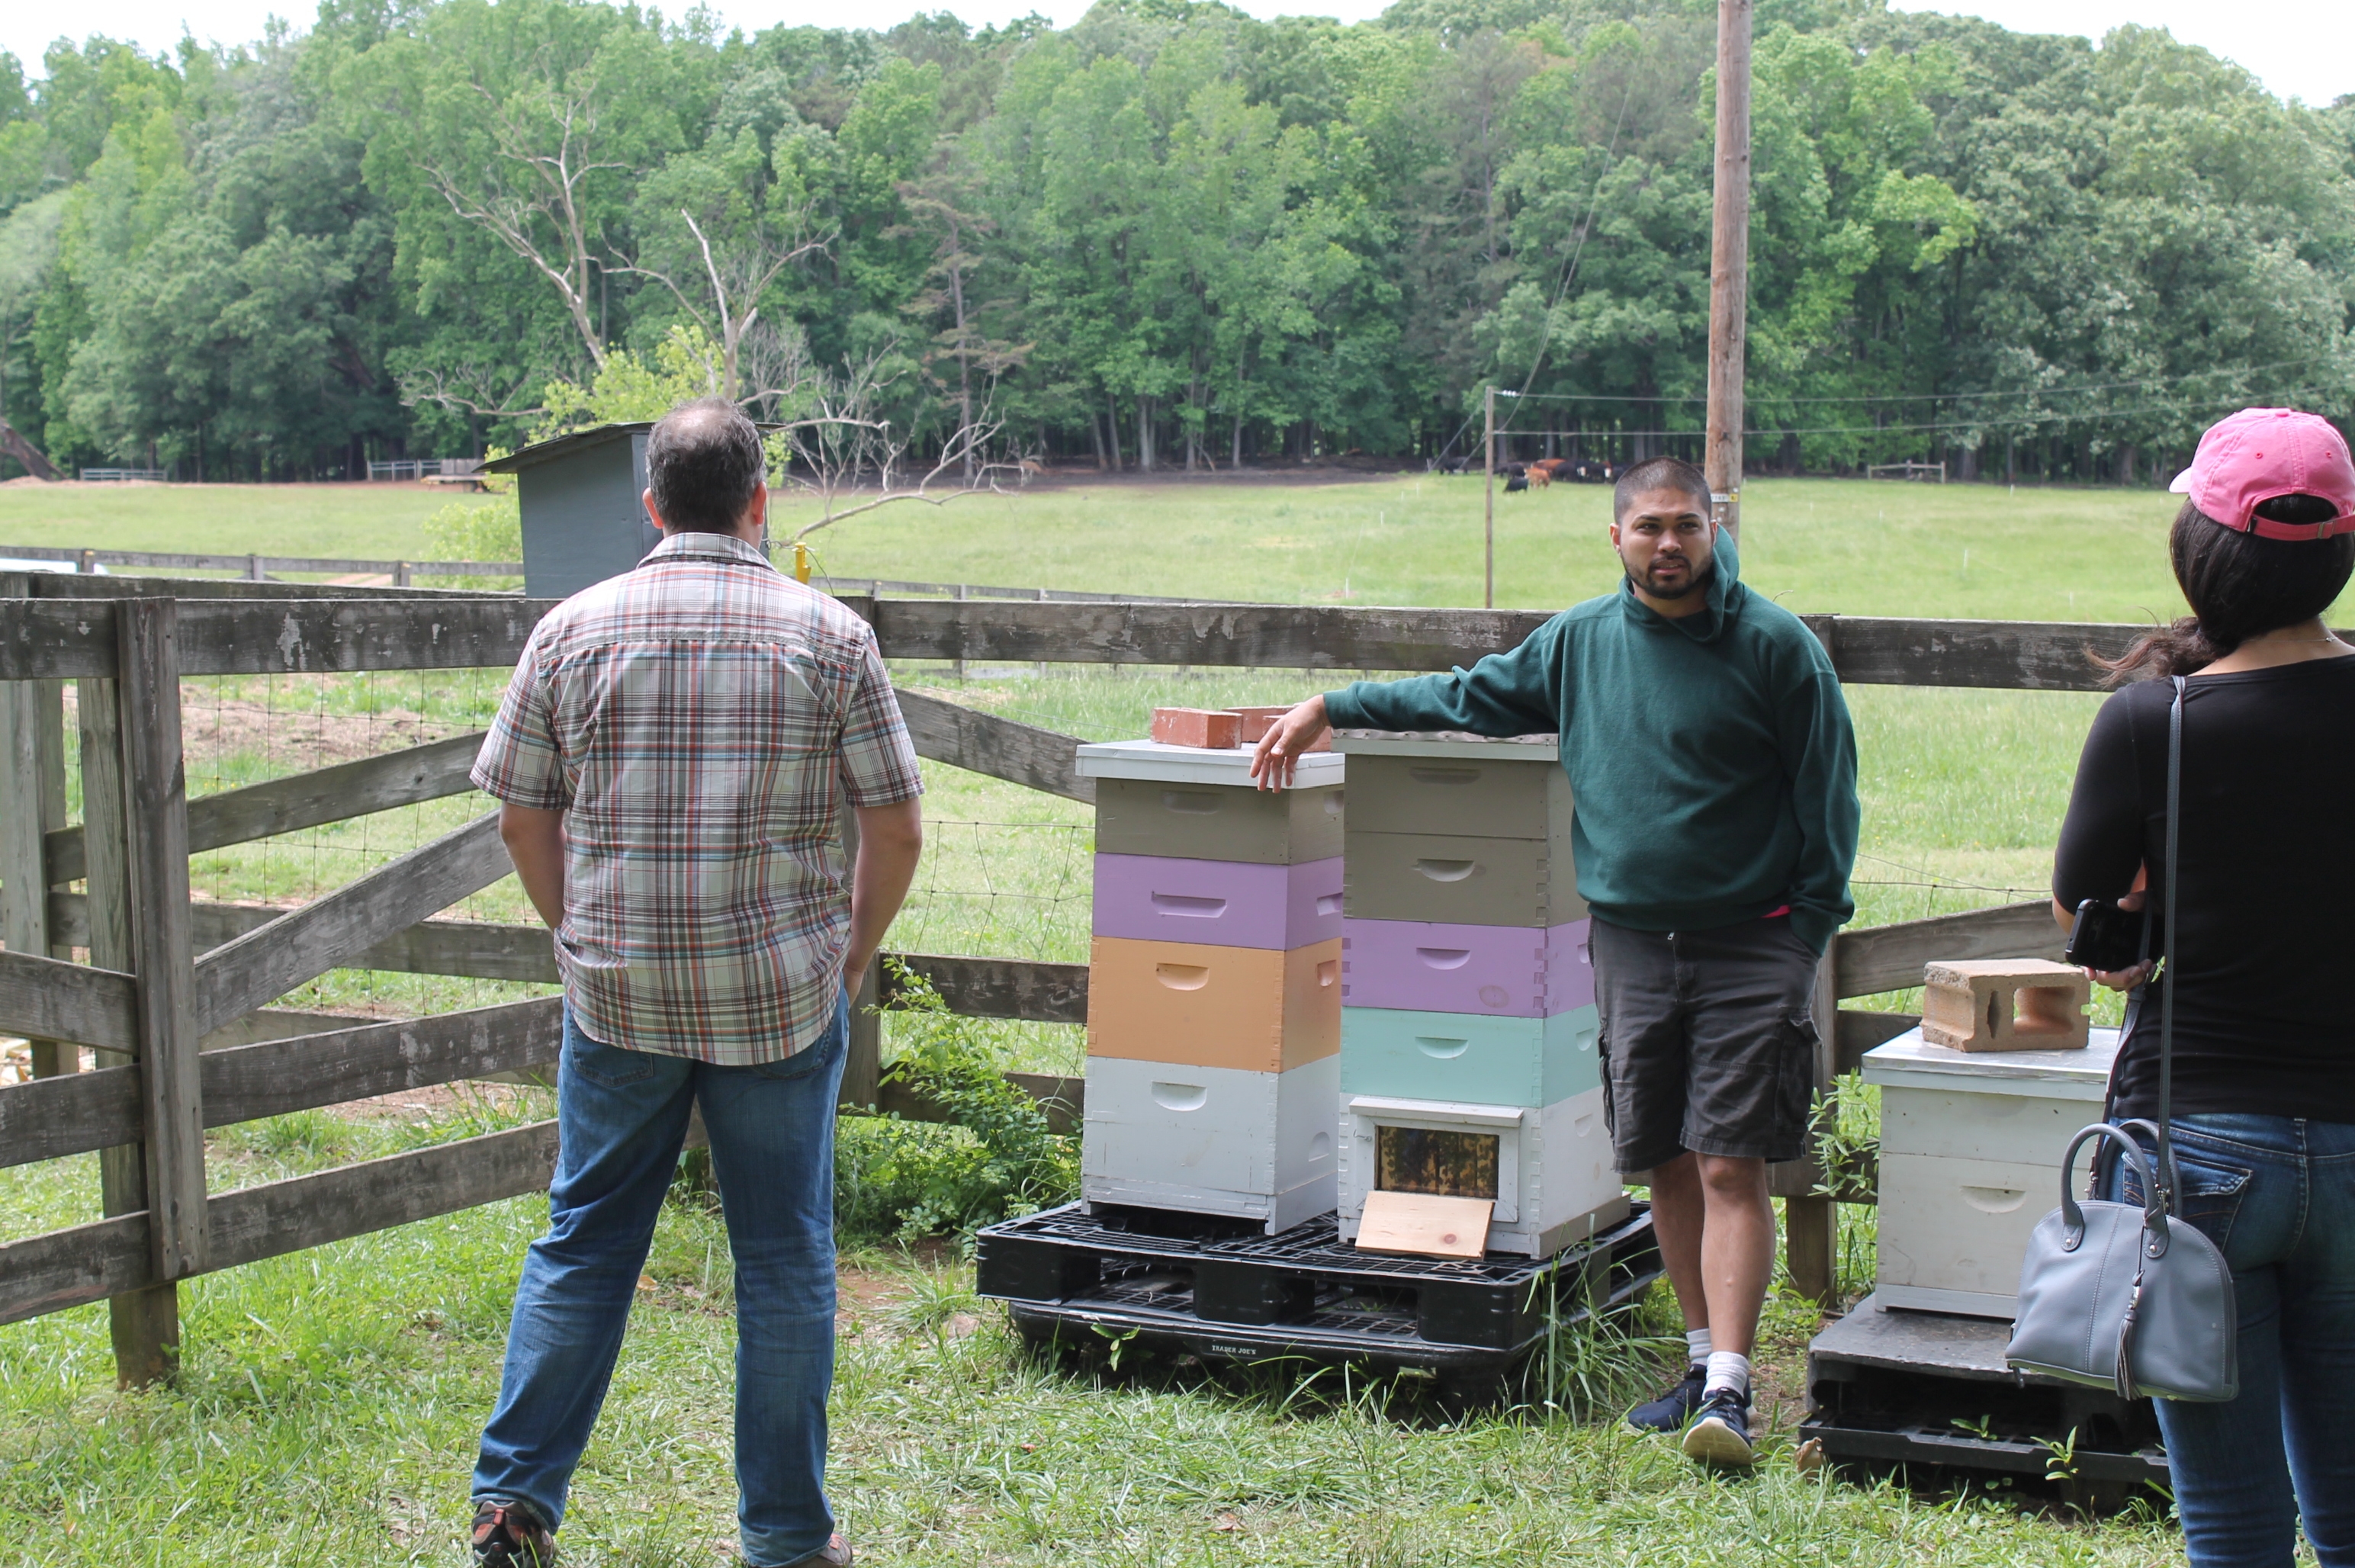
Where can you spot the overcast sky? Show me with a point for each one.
(2301, 48)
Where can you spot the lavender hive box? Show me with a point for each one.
(1226, 903)
(1502, 971)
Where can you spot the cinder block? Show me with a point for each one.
(1502, 971)
(1550, 1171)
(1248, 1008)
(1212, 729)
(1210, 1140)
(2016, 1003)
(1216, 822)
(1527, 1063)
(1225, 903)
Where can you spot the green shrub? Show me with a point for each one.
(993, 1156)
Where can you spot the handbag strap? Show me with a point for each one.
(2174, 946)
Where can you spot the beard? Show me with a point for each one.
(1696, 579)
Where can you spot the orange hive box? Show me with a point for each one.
(1210, 729)
(1255, 1008)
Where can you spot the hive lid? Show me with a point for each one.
(1908, 1060)
(1448, 743)
(1195, 764)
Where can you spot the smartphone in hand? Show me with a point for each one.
(2107, 938)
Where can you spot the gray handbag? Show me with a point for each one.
(2130, 1298)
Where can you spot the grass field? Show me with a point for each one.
(1849, 546)
(327, 1412)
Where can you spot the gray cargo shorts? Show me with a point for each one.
(1708, 1042)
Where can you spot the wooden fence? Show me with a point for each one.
(174, 998)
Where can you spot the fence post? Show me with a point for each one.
(146, 1322)
(957, 593)
(254, 571)
(155, 858)
(32, 803)
(1811, 1224)
(400, 574)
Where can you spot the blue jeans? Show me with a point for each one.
(622, 1115)
(2276, 1194)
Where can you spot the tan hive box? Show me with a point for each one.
(2008, 1004)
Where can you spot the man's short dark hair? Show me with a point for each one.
(704, 463)
(1660, 473)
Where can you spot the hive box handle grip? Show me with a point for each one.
(1448, 870)
(1182, 976)
(1188, 906)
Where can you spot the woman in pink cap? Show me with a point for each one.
(2263, 1112)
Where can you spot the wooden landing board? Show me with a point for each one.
(1425, 1226)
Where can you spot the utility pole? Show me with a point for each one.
(1729, 266)
(1488, 461)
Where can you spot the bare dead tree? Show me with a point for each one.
(736, 277)
(841, 451)
(491, 391)
(545, 195)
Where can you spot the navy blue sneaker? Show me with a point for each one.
(1720, 1435)
(510, 1535)
(1673, 1409)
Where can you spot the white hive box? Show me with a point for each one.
(1970, 1160)
(1211, 1140)
(1552, 1178)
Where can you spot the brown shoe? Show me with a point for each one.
(835, 1553)
(510, 1535)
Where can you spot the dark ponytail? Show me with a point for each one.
(2239, 586)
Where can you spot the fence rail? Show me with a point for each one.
(172, 980)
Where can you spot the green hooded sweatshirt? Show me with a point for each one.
(1711, 763)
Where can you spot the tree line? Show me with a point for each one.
(1169, 235)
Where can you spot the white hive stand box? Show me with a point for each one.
(1970, 1160)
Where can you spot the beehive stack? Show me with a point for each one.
(1468, 1053)
(1213, 985)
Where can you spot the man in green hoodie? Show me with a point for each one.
(1713, 771)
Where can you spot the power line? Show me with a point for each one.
(1924, 397)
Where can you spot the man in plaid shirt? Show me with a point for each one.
(671, 760)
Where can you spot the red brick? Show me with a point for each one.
(1214, 729)
(1258, 722)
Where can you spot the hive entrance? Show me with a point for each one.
(1441, 1163)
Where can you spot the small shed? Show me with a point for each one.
(584, 514)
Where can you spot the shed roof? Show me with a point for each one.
(564, 445)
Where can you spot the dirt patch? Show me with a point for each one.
(214, 726)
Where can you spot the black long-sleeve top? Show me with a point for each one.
(2265, 1010)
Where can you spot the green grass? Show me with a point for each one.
(330, 1402)
(368, 522)
(1852, 546)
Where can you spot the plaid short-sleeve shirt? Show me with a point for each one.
(700, 720)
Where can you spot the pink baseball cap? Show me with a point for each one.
(2258, 454)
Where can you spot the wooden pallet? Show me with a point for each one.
(1218, 1291)
(1899, 1388)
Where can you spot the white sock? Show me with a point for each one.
(1696, 1345)
(1729, 1370)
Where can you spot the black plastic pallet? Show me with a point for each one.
(1900, 1387)
(1213, 1289)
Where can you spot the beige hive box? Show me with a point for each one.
(2008, 1004)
